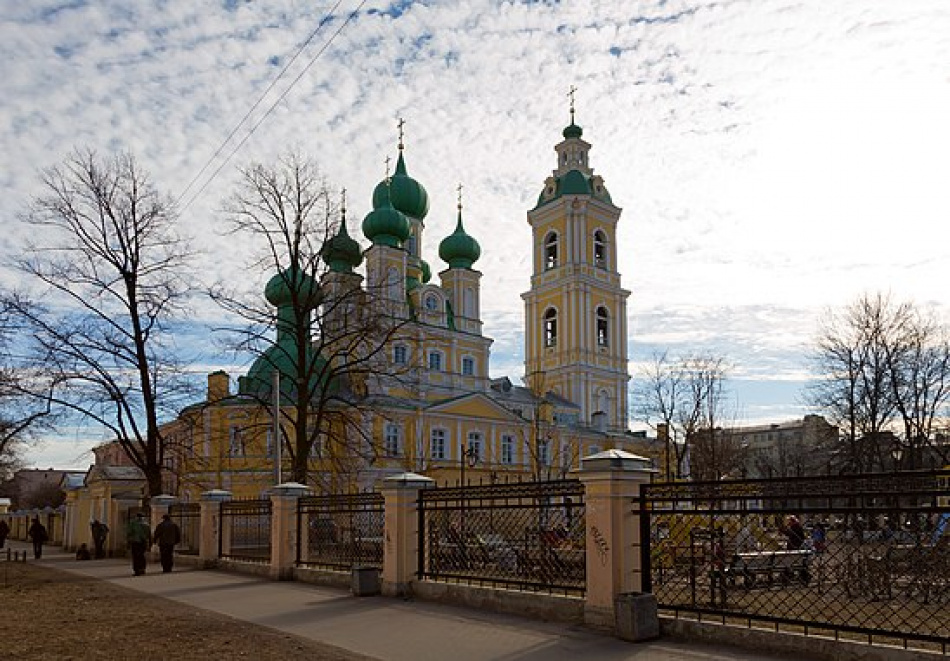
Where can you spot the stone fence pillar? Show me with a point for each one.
(612, 481)
(211, 525)
(400, 531)
(283, 529)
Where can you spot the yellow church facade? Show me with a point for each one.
(434, 408)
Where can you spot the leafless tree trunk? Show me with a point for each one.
(331, 337)
(113, 274)
(883, 367)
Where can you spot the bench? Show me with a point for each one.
(765, 568)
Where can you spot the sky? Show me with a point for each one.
(775, 159)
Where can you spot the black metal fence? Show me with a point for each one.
(245, 530)
(188, 518)
(525, 535)
(861, 557)
(340, 531)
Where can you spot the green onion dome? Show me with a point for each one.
(384, 225)
(572, 131)
(405, 193)
(458, 249)
(426, 270)
(279, 290)
(341, 252)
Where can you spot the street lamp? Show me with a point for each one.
(467, 455)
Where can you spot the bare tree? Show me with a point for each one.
(883, 368)
(21, 417)
(113, 274)
(684, 400)
(331, 337)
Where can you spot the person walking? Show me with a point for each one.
(138, 535)
(99, 532)
(38, 534)
(167, 535)
(4, 531)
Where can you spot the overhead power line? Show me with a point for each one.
(247, 115)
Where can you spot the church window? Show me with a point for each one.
(550, 327)
(400, 354)
(437, 444)
(468, 303)
(432, 302)
(468, 366)
(603, 327)
(600, 249)
(435, 361)
(235, 441)
(391, 440)
(392, 283)
(544, 453)
(507, 449)
(474, 447)
(550, 251)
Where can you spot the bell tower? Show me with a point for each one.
(576, 309)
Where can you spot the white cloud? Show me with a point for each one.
(769, 155)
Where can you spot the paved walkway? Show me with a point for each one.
(381, 627)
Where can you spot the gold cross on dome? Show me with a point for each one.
(387, 168)
(571, 94)
(399, 125)
(343, 203)
(458, 189)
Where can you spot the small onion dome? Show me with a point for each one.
(279, 289)
(384, 225)
(341, 252)
(574, 183)
(572, 131)
(405, 193)
(458, 249)
(426, 271)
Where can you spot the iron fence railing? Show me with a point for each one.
(863, 557)
(340, 531)
(245, 530)
(188, 518)
(525, 535)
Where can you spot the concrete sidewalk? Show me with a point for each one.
(382, 627)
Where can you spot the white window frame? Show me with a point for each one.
(440, 360)
(476, 440)
(507, 449)
(400, 351)
(392, 440)
(438, 440)
(468, 362)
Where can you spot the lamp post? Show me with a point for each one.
(467, 455)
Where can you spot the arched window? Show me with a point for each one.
(550, 251)
(468, 303)
(600, 249)
(603, 333)
(392, 283)
(550, 327)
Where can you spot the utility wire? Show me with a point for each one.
(267, 114)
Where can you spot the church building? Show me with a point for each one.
(435, 409)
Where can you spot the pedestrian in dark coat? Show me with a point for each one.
(99, 532)
(138, 535)
(167, 535)
(38, 534)
(4, 531)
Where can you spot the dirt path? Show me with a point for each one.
(48, 614)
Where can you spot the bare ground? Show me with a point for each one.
(46, 614)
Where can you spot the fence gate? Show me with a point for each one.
(862, 557)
